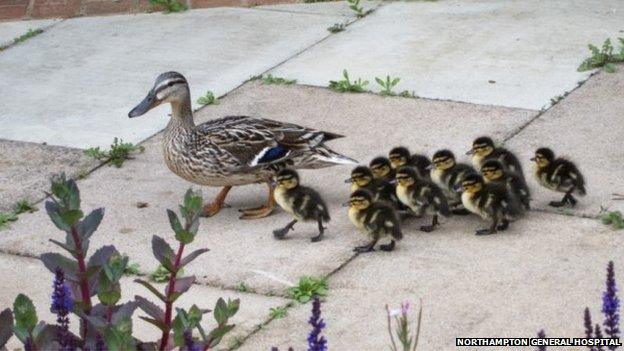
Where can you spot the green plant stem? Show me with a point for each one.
(394, 347)
(169, 304)
(83, 280)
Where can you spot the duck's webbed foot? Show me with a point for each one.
(568, 199)
(262, 211)
(504, 225)
(281, 233)
(460, 211)
(388, 247)
(214, 207)
(490, 230)
(366, 248)
(319, 237)
(430, 228)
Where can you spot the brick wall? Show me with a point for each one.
(31, 9)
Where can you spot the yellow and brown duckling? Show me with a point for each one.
(483, 149)
(375, 219)
(362, 178)
(302, 202)
(400, 156)
(560, 175)
(448, 175)
(493, 171)
(491, 202)
(421, 196)
(382, 169)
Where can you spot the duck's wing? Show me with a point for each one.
(256, 142)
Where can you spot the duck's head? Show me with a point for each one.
(472, 183)
(492, 170)
(406, 176)
(170, 87)
(380, 166)
(360, 176)
(360, 199)
(543, 157)
(482, 146)
(443, 159)
(399, 156)
(287, 178)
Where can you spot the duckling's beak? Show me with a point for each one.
(429, 167)
(346, 204)
(533, 159)
(458, 188)
(348, 180)
(147, 104)
(470, 152)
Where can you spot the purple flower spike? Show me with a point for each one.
(189, 343)
(611, 306)
(316, 342)
(598, 334)
(62, 305)
(542, 335)
(589, 329)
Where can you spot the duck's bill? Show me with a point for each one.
(533, 159)
(470, 152)
(346, 204)
(458, 188)
(349, 180)
(147, 104)
(429, 167)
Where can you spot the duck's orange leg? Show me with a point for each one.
(215, 206)
(262, 211)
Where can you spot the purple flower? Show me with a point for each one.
(611, 306)
(598, 334)
(62, 304)
(189, 343)
(316, 342)
(589, 330)
(542, 335)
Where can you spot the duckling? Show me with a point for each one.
(421, 196)
(489, 201)
(233, 150)
(382, 169)
(560, 175)
(376, 219)
(400, 156)
(304, 203)
(362, 178)
(494, 172)
(448, 174)
(483, 149)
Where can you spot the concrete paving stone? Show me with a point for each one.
(245, 251)
(340, 8)
(586, 127)
(542, 273)
(25, 169)
(14, 29)
(453, 49)
(254, 309)
(85, 74)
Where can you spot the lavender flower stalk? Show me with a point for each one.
(62, 305)
(189, 343)
(589, 330)
(611, 306)
(316, 342)
(542, 335)
(598, 334)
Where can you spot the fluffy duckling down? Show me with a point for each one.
(447, 173)
(375, 219)
(493, 171)
(483, 149)
(303, 203)
(558, 174)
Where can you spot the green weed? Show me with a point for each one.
(169, 5)
(613, 219)
(278, 312)
(387, 85)
(242, 287)
(603, 57)
(31, 33)
(208, 99)
(118, 153)
(354, 5)
(269, 79)
(132, 269)
(6, 218)
(336, 28)
(307, 288)
(236, 342)
(345, 85)
(23, 206)
(161, 274)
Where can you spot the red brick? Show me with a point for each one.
(12, 11)
(146, 6)
(55, 8)
(196, 4)
(101, 7)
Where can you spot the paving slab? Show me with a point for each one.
(14, 29)
(323, 8)
(542, 273)
(455, 49)
(85, 74)
(245, 251)
(586, 127)
(25, 169)
(253, 311)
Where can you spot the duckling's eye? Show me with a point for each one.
(170, 84)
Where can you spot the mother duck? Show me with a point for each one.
(233, 150)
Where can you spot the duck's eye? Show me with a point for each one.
(170, 84)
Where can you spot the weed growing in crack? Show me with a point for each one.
(336, 28)
(6, 218)
(269, 79)
(307, 288)
(613, 219)
(118, 153)
(278, 312)
(603, 57)
(354, 5)
(242, 287)
(387, 85)
(208, 99)
(23, 206)
(345, 85)
(169, 5)
(132, 269)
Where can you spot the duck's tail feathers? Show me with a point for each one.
(323, 154)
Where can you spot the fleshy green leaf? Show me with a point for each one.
(90, 223)
(53, 260)
(163, 252)
(25, 313)
(174, 221)
(6, 326)
(124, 312)
(159, 324)
(71, 217)
(151, 288)
(150, 308)
(193, 255)
(182, 285)
(102, 255)
(221, 314)
(53, 211)
(185, 236)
